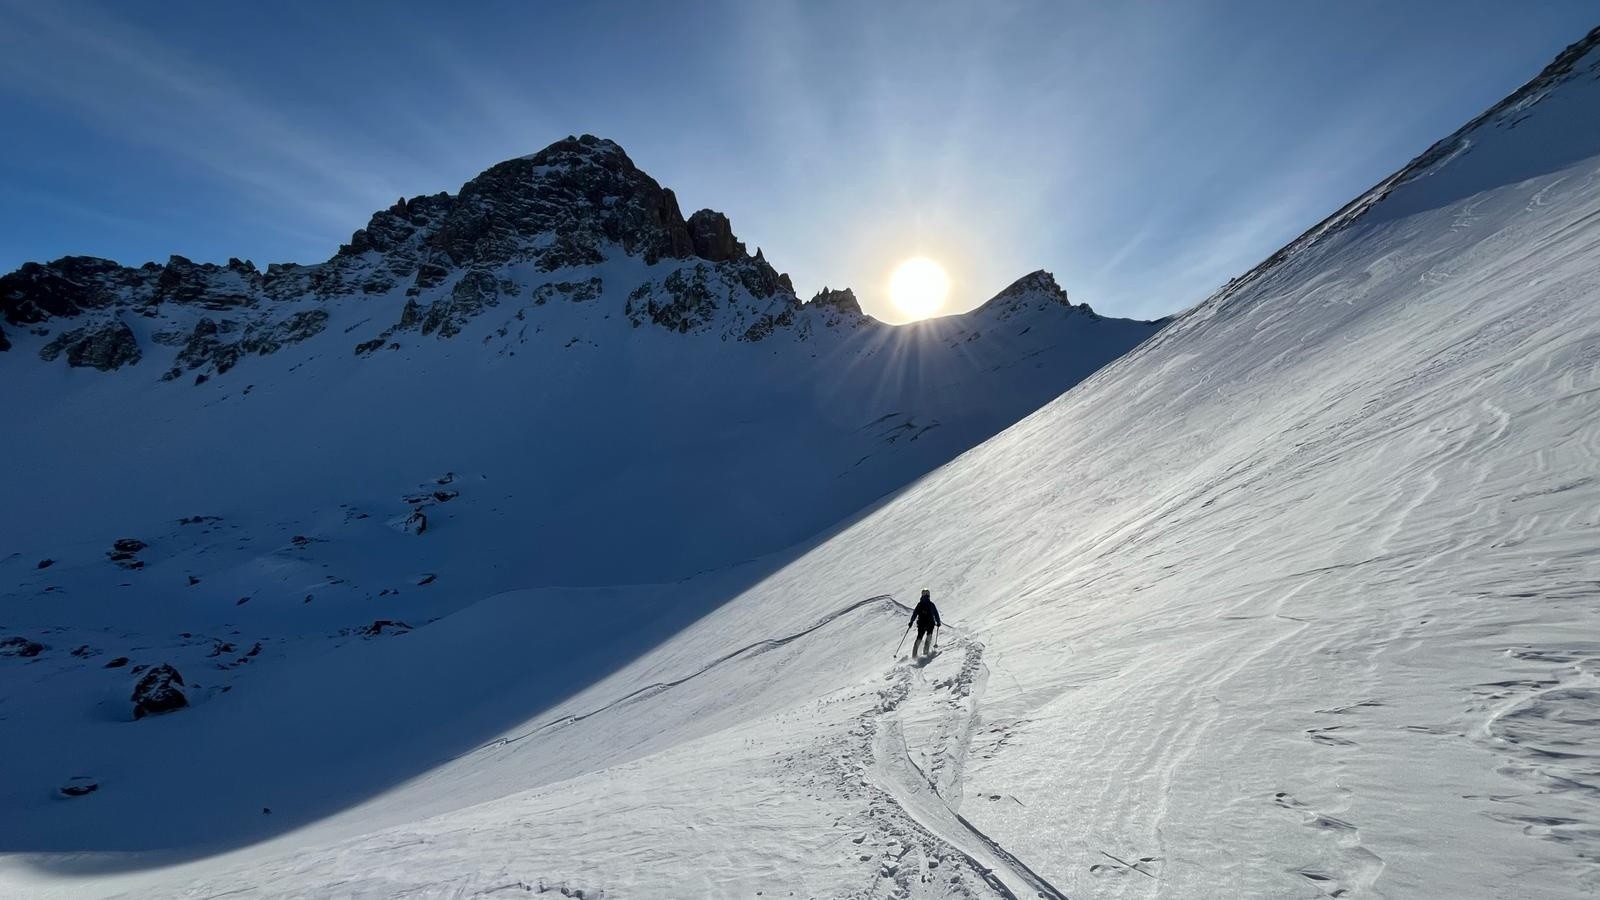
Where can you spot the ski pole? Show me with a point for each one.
(902, 642)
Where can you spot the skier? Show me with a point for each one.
(926, 617)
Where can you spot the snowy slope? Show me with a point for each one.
(1295, 600)
(229, 471)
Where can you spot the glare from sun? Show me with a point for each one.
(919, 287)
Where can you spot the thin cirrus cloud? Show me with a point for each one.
(1145, 152)
(134, 88)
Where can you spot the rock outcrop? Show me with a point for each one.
(64, 289)
(712, 236)
(104, 347)
(160, 690)
(79, 786)
(383, 626)
(1032, 291)
(20, 647)
(124, 552)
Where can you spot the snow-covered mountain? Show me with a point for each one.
(550, 378)
(622, 395)
(1296, 599)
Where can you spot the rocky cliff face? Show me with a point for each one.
(543, 229)
(441, 260)
(1036, 290)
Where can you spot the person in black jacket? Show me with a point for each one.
(926, 616)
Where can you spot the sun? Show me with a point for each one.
(919, 287)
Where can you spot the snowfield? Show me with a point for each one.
(1301, 598)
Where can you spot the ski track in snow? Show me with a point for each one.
(930, 798)
(658, 687)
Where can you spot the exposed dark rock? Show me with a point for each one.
(476, 291)
(84, 651)
(193, 581)
(123, 550)
(366, 347)
(583, 192)
(695, 297)
(298, 327)
(208, 285)
(209, 343)
(20, 647)
(713, 238)
(576, 291)
(841, 300)
(688, 303)
(379, 626)
(445, 496)
(429, 275)
(410, 316)
(394, 228)
(200, 347)
(78, 786)
(45, 563)
(1034, 290)
(1039, 282)
(104, 347)
(836, 309)
(67, 287)
(763, 327)
(4, 344)
(159, 691)
(117, 663)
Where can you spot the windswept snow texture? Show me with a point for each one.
(1299, 599)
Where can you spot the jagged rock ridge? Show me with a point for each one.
(527, 232)
(1032, 291)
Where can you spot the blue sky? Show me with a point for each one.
(1144, 152)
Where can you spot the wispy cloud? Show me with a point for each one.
(134, 87)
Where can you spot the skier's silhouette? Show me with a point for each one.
(926, 615)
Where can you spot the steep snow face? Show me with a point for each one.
(1296, 599)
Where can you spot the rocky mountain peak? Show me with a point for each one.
(1034, 290)
(560, 207)
(1038, 282)
(843, 300)
(577, 196)
(712, 236)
